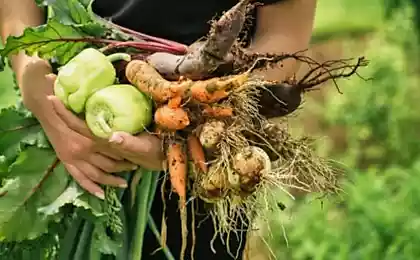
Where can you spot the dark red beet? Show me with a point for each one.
(280, 100)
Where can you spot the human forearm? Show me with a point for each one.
(15, 16)
(285, 27)
(289, 66)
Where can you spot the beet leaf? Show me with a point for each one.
(34, 180)
(53, 40)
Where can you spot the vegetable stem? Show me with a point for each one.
(84, 241)
(100, 118)
(147, 37)
(151, 222)
(155, 231)
(119, 56)
(68, 244)
(153, 185)
(142, 206)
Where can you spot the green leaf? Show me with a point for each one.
(94, 208)
(8, 96)
(18, 130)
(74, 12)
(69, 12)
(42, 2)
(104, 243)
(52, 40)
(75, 195)
(36, 179)
(2, 65)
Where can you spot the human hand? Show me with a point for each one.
(88, 159)
(143, 149)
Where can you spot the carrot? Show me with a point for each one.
(196, 152)
(171, 118)
(148, 80)
(175, 102)
(177, 161)
(201, 93)
(177, 165)
(203, 58)
(218, 112)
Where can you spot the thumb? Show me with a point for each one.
(133, 144)
(51, 77)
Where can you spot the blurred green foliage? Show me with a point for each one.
(392, 5)
(377, 216)
(380, 111)
(336, 18)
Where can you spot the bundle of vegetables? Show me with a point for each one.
(204, 102)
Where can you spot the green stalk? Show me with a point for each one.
(118, 56)
(69, 243)
(154, 183)
(142, 206)
(94, 253)
(84, 242)
(100, 118)
(155, 231)
(151, 222)
(123, 253)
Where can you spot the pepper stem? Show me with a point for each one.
(100, 118)
(118, 56)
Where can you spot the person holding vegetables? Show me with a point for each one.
(279, 26)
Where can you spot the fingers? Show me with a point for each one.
(99, 176)
(111, 155)
(109, 165)
(141, 144)
(86, 183)
(88, 176)
(144, 149)
(69, 118)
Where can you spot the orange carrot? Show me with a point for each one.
(175, 102)
(200, 93)
(196, 152)
(148, 80)
(218, 111)
(215, 89)
(171, 118)
(177, 165)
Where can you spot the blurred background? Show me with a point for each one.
(371, 129)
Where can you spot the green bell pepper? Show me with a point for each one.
(118, 108)
(84, 74)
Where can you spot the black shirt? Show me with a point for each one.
(184, 21)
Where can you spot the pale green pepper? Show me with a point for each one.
(84, 74)
(118, 108)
